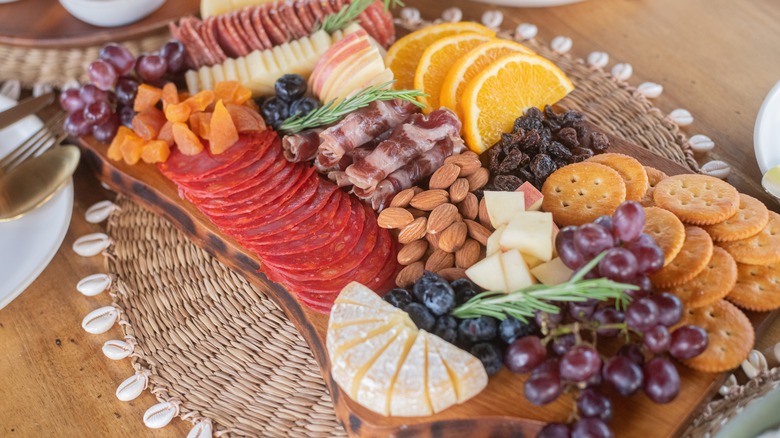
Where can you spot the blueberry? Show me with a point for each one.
(274, 111)
(424, 283)
(303, 106)
(421, 317)
(290, 87)
(489, 355)
(399, 298)
(464, 290)
(446, 327)
(439, 298)
(479, 329)
(512, 328)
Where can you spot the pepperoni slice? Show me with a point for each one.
(287, 15)
(257, 24)
(304, 15)
(245, 23)
(316, 11)
(209, 33)
(276, 34)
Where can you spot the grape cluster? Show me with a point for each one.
(290, 100)
(565, 358)
(429, 303)
(99, 107)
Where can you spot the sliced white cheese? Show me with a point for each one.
(206, 80)
(517, 275)
(493, 245)
(409, 397)
(373, 389)
(488, 273)
(553, 272)
(503, 206)
(193, 81)
(530, 232)
(466, 371)
(347, 336)
(349, 366)
(229, 68)
(218, 73)
(441, 388)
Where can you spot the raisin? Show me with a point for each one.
(558, 150)
(571, 119)
(511, 162)
(507, 183)
(494, 158)
(599, 141)
(526, 175)
(583, 135)
(567, 137)
(542, 166)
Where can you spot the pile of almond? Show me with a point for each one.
(443, 229)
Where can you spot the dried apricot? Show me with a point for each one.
(170, 95)
(200, 124)
(232, 92)
(186, 140)
(200, 101)
(114, 151)
(147, 123)
(146, 97)
(245, 118)
(223, 131)
(131, 148)
(166, 133)
(155, 151)
(178, 112)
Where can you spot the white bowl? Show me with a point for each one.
(766, 135)
(529, 3)
(111, 13)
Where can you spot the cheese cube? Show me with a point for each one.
(493, 245)
(531, 233)
(503, 206)
(516, 273)
(552, 273)
(488, 273)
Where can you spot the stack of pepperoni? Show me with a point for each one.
(311, 237)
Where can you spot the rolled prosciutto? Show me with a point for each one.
(301, 146)
(418, 135)
(361, 127)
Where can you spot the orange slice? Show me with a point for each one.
(473, 62)
(436, 61)
(503, 91)
(403, 56)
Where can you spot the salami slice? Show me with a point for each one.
(304, 15)
(371, 21)
(209, 33)
(276, 34)
(325, 6)
(289, 20)
(237, 31)
(197, 49)
(224, 39)
(257, 24)
(245, 22)
(316, 11)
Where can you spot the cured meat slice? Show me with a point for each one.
(197, 49)
(338, 205)
(415, 137)
(277, 35)
(326, 7)
(243, 36)
(248, 191)
(228, 38)
(265, 158)
(289, 21)
(371, 20)
(244, 17)
(257, 24)
(209, 33)
(304, 15)
(316, 11)
(360, 127)
(301, 146)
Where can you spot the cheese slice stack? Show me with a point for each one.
(387, 365)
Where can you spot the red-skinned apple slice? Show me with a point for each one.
(338, 53)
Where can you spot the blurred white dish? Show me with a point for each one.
(529, 3)
(766, 135)
(27, 245)
(111, 13)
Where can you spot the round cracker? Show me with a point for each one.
(667, 230)
(749, 220)
(713, 283)
(697, 199)
(761, 249)
(631, 170)
(654, 176)
(579, 193)
(757, 288)
(690, 261)
(730, 336)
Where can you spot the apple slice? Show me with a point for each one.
(344, 74)
(493, 243)
(533, 197)
(531, 233)
(335, 58)
(503, 206)
(488, 273)
(552, 273)
(360, 76)
(531, 261)
(516, 273)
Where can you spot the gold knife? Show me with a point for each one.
(25, 108)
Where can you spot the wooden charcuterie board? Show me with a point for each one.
(500, 410)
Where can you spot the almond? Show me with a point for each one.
(439, 260)
(467, 255)
(484, 218)
(444, 176)
(467, 161)
(416, 213)
(429, 199)
(478, 179)
(453, 237)
(458, 190)
(477, 231)
(402, 198)
(410, 274)
(394, 218)
(413, 231)
(469, 207)
(433, 240)
(412, 252)
(452, 274)
(442, 217)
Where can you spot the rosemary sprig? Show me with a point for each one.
(522, 304)
(332, 111)
(345, 16)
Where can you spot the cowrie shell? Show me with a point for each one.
(133, 386)
(41, 88)
(94, 284)
(452, 15)
(598, 59)
(105, 186)
(650, 90)
(99, 212)
(561, 44)
(91, 244)
(492, 19)
(160, 414)
(411, 15)
(701, 143)
(526, 31)
(100, 320)
(681, 116)
(622, 71)
(716, 168)
(12, 89)
(116, 349)
(203, 429)
(758, 360)
(727, 385)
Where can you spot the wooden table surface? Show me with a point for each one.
(716, 58)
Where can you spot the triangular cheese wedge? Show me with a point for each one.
(441, 392)
(351, 364)
(409, 396)
(467, 372)
(373, 390)
(347, 336)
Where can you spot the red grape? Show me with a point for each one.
(608, 315)
(126, 89)
(70, 100)
(688, 341)
(564, 246)
(623, 374)
(126, 115)
(628, 221)
(119, 57)
(555, 430)
(524, 354)
(151, 68)
(173, 52)
(97, 112)
(633, 352)
(642, 314)
(563, 343)
(657, 339)
(580, 363)
(582, 310)
(591, 428)
(662, 381)
(670, 308)
(605, 221)
(591, 239)
(592, 403)
(543, 388)
(102, 74)
(106, 131)
(619, 264)
(90, 93)
(650, 258)
(76, 126)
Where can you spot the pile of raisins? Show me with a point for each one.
(539, 144)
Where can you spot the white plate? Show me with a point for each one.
(529, 3)
(759, 416)
(766, 135)
(27, 245)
